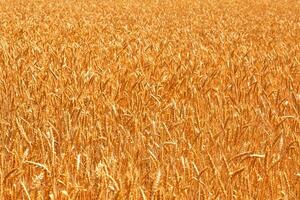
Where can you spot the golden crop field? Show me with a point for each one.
(145, 99)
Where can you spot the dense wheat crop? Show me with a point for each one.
(181, 99)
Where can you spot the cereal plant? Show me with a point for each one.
(141, 99)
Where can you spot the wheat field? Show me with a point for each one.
(142, 99)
